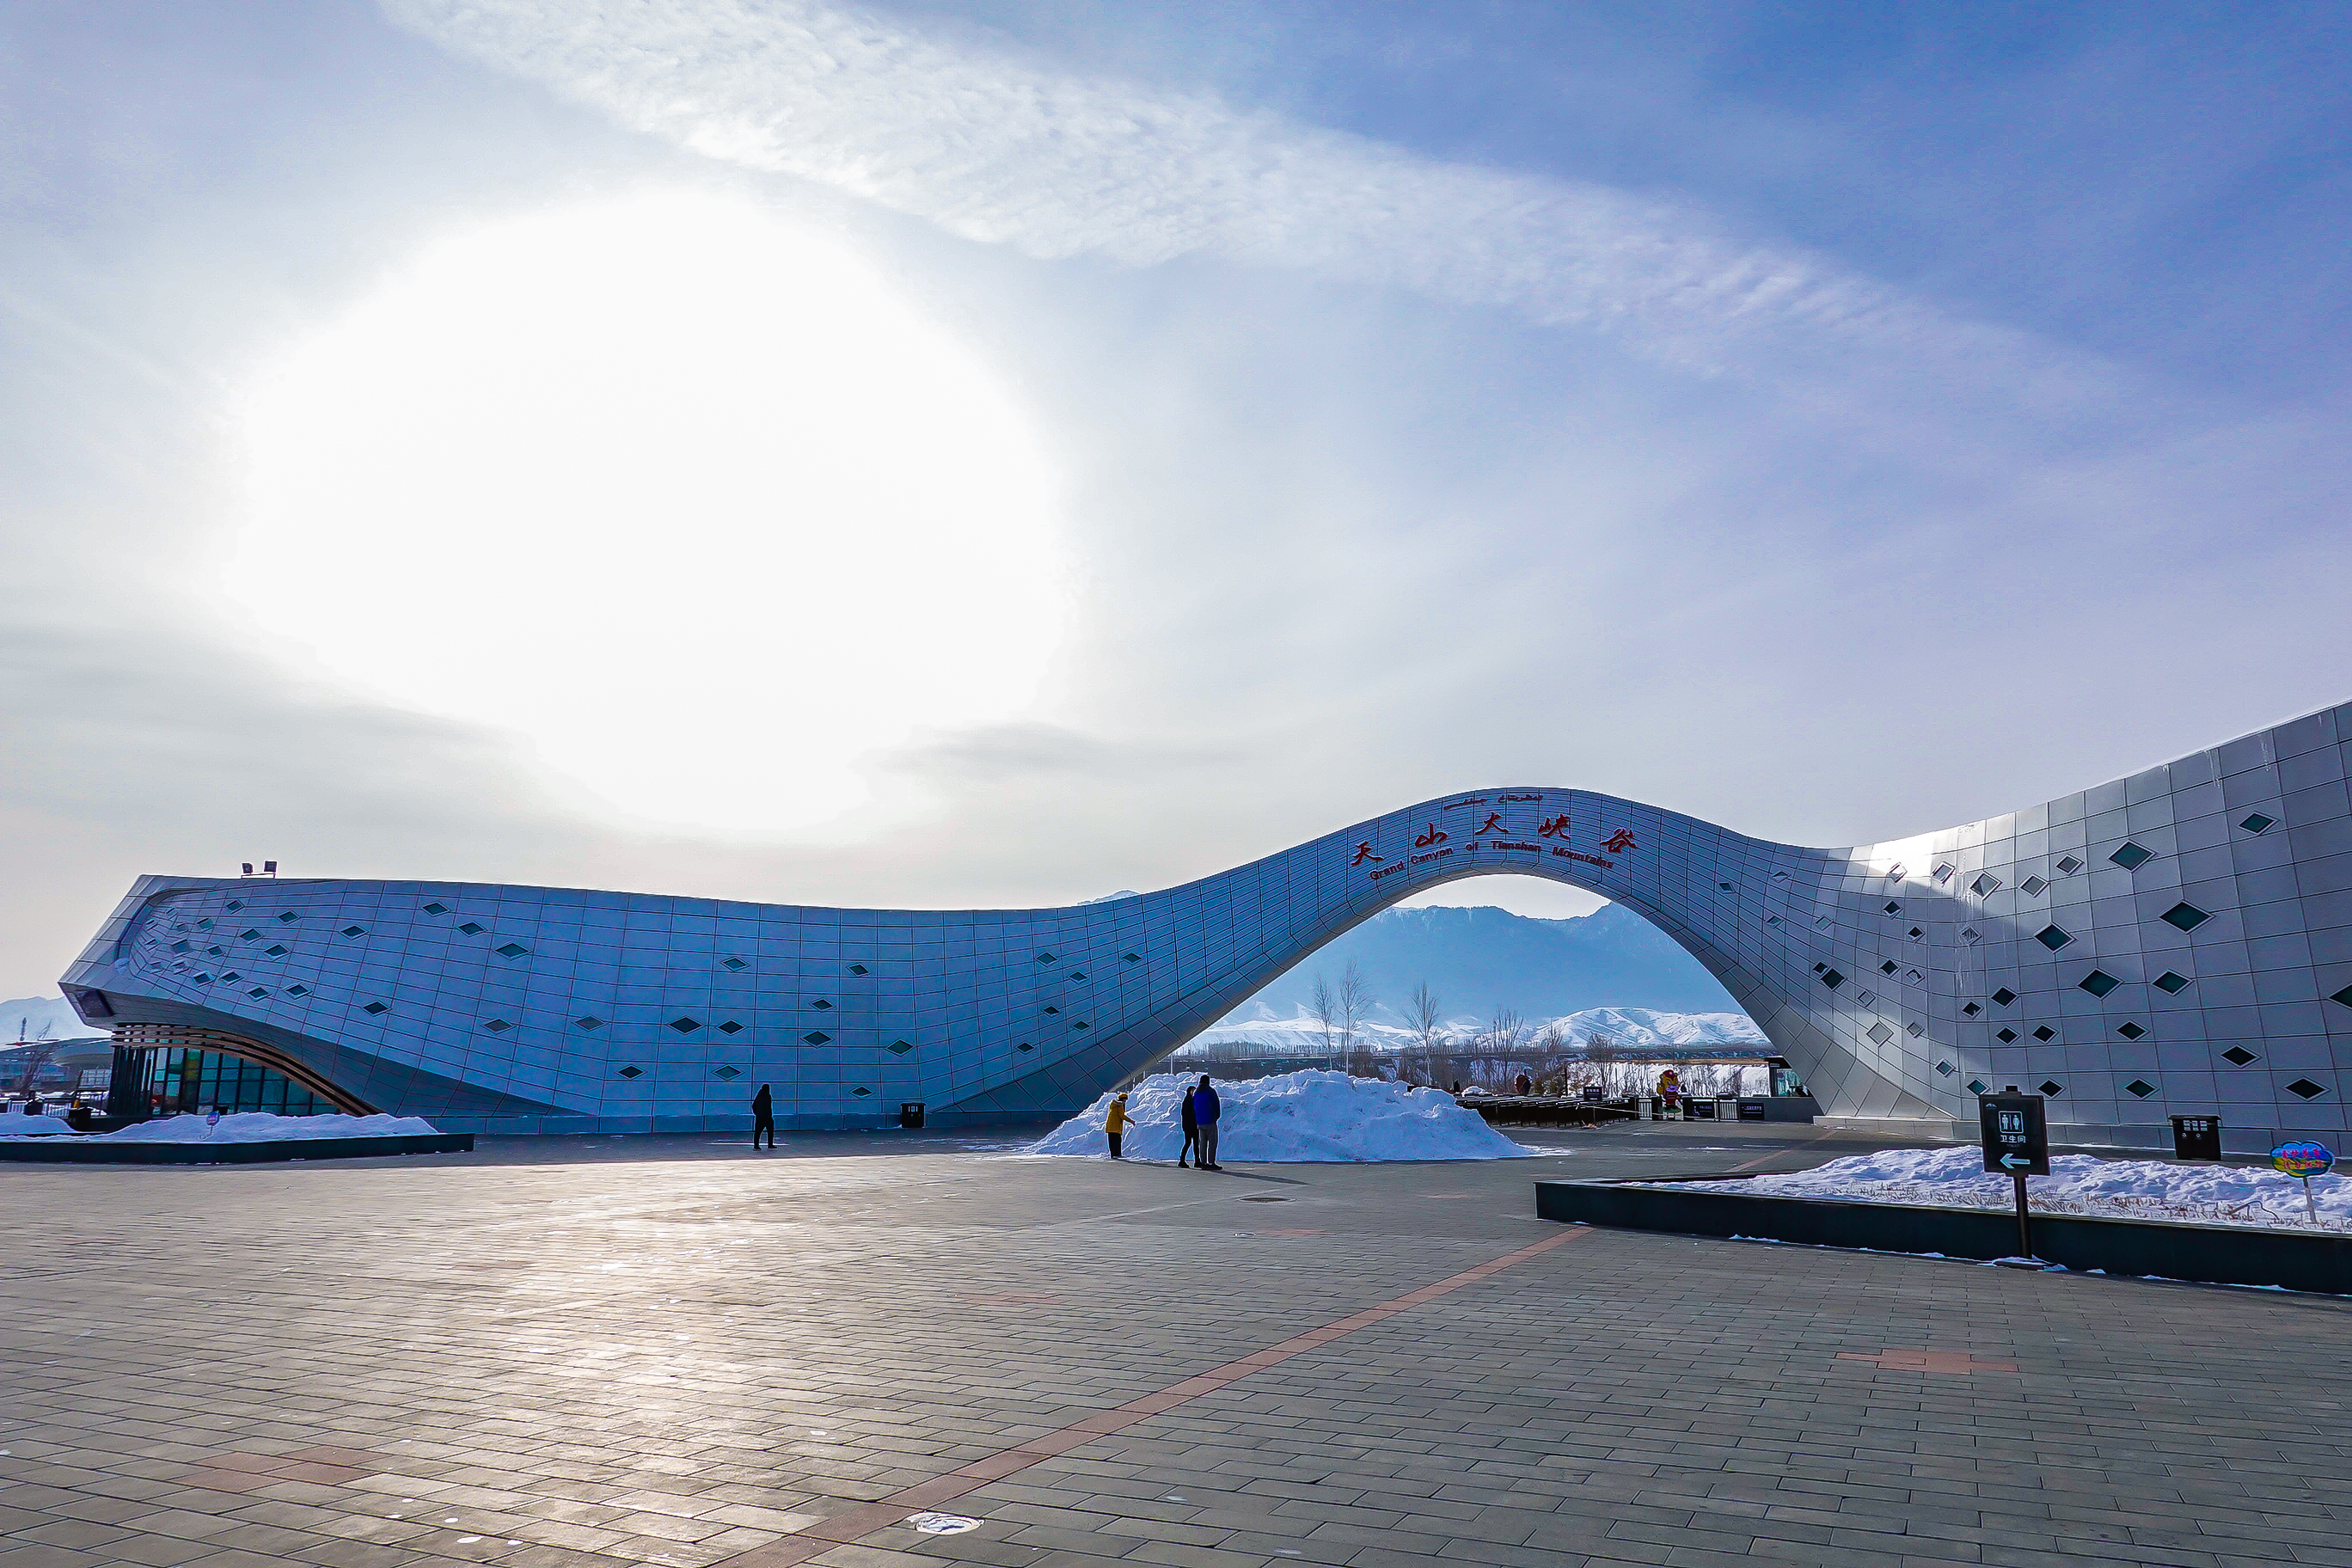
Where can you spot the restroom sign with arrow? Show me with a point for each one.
(2016, 1144)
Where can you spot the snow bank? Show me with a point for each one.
(240, 1127)
(2077, 1183)
(15, 1123)
(1296, 1118)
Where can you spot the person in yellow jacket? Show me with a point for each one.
(1115, 1122)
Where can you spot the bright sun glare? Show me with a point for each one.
(685, 494)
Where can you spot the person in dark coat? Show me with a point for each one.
(763, 1117)
(1191, 1130)
(1205, 1109)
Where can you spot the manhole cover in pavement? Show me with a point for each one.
(941, 1523)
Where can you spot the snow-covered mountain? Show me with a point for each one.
(40, 1018)
(1628, 1029)
(1478, 960)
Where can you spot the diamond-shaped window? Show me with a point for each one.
(354, 931)
(2051, 937)
(1045, 958)
(288, 917)
(731, 1027)
(1895, 872)
(1916, 933)
(496, 1025)
(2045, 1034)
(257, 993)
(1976, 1086)
(1082, 1024)
(1893, 907)
(1076, 975)
(2304, 1088)
(1915, 1030)
(437, 909)
(1914, 976)
(685, 1024)
(860, 1091)
(1972, 1008)
(900, 1047)
(205, 925)
(816, 1036)
(1946, 1069)
(2171, 984)
(1833, 979)
(2132, 857)
(631, 1072)
(230, 975)
(1866, 998)
(1025, 1046)
(728, 1073)
(1970, 935)
(1880, 1034)
(201, 979)
(2004, 995)
(1822, 919)
(2139, 1087)
(2050, 1086)
(2098, 982)
(472, 927)
(1772, 920)
(1052, 1009)
(376, 1007)
(821, 1005)
(297, 991)
(235, 903)
(248, 935)
(277, 950)
(179, 947)
(2344, 997)
(2069, 866)
(2129, 1030)
(2034, 885)
(1942, 873)
(2237, 1056)
(2187, 917)
(2258, 822)
(730, 962)
(1132, 957)
(1984, 886)
(860, 969)
(590, 1022)
(1887, 967)
(513, 950)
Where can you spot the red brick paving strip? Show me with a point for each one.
(854, 1524)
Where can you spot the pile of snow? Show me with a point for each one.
(240, 1127)
(15, 1123)
(1295, 1118)
(2077, 1183)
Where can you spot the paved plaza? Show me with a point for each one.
(574, 1353)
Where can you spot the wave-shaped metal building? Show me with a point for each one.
(2179, 941)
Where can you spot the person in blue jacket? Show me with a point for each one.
(1204, 1112)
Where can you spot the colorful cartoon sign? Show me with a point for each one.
(2302, 1159)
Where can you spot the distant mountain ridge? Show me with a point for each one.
(30, 1016)
(1628, 1029)
(1478, 959)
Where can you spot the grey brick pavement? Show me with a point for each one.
(554, 1355)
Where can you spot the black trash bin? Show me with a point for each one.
(910, 1113)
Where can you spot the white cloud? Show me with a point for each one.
(1001, 149)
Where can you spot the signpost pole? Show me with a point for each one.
(2310, 1208)
(2025, 1224)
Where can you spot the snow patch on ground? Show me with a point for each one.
(1295, 1118)
(2077, 1183)
(1631, 1028)
(240, 1127)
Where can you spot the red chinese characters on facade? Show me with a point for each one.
(1430, 835)
(1364, 853)
(1494, 824)
(1619, 842)
(1553, 827)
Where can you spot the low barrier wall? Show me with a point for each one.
(2204, 1254)
(69, 1150)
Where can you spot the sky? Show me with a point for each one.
(1000, 453)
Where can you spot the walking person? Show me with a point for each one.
(1191, 1130)
(1115, 1123)
(763, 1117)
(1205, 1108)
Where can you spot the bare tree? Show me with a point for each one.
(1324, 1005)
(1353, 1001)
(1427, 1021)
